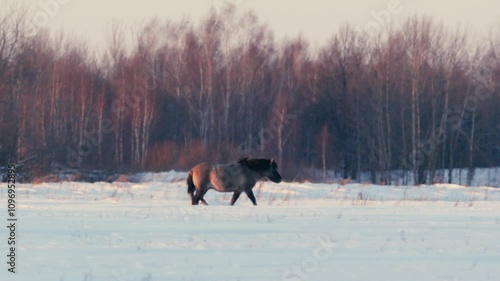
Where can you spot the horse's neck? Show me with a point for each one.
(256, 175)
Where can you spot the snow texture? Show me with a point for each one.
(149, 231)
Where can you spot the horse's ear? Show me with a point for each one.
(272, 161)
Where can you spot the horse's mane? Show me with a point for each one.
(255, 164)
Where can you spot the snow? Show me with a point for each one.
(171, 176)
(482, 176)
(147, 230)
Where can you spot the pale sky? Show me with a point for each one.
(316, 20)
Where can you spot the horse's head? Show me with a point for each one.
(272, 172)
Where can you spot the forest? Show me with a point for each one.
(417, 98)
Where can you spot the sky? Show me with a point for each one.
(316, 20)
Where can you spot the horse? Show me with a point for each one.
(236, 177)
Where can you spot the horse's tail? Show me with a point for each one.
(191, 187)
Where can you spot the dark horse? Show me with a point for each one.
(237, 177)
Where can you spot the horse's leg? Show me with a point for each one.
(194, 198)
(203, 201)
(236, 194)
(250, 195)
(200, 194)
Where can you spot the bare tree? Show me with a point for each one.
(418, 36)
(171, 94)
(117, 54)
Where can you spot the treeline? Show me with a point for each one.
(417, 98)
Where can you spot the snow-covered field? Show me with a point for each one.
(149, 231)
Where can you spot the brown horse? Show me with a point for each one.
(237, 177)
